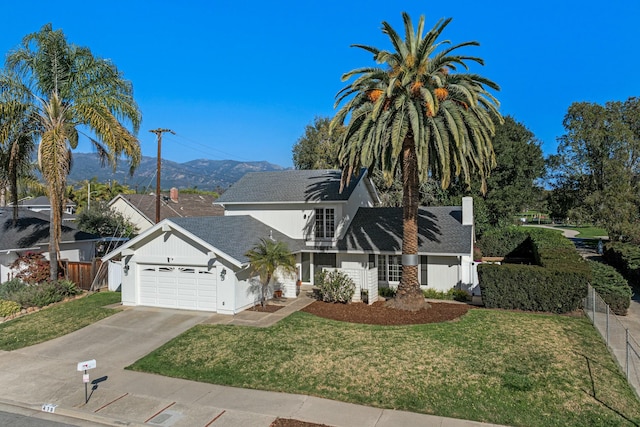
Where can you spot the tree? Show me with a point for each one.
(317, 148)
(65, 91)
(17, 144)
(100, 192)
(596, 170)
(513, 183)
(416, 114)
(267, 258)
(104, 222)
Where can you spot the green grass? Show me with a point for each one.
(56, 321)
(587, 232)
(501, 367)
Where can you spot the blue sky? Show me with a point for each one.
(241, 79)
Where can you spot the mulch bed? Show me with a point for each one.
(286, 422)
(378, 314)
(269, 308)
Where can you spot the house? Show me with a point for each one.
(30, 233)
(42, 204)
(140, 209)
(199, 263)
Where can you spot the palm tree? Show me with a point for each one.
(415, 113)
(267, 258)
(67, 91)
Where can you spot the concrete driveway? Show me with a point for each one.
(48, 371)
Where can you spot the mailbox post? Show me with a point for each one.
(85, 366)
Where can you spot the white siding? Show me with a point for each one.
(114, 275)
(131, 214)
(444, 272)
(289, 219)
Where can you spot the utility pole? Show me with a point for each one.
(159, 133)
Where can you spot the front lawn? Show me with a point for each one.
(56, 321)
(501, 367)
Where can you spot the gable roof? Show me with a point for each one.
(234, 235)
(31, 229)
(289, 186)
(188, 205)
(440, 231)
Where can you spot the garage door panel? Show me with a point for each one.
(178, 287)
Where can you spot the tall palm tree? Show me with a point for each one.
(416, 113)
(67, 91)
(267, 258)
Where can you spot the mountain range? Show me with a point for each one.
(203, 174)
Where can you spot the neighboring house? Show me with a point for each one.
(31, 234)
(42, 203)
(199, 263)
(140, 209)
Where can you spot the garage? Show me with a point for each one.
(182, 287)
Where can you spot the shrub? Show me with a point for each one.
(451, 294)
(611, 286)
(40, 295)
(7, 308)
(500, 242)
(387, 292)
(32, 267)
(557, 284)
(625, 257)
(335, 286)
(10, 287)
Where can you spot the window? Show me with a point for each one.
(382, 268)
(395, 268)
(325, 223)
(389, 268)
(423, 270)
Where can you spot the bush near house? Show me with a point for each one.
(625, 257)
(7, 308)
(335, 286)
(557, 284)
(611, 286)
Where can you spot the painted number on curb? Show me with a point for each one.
(49, 407)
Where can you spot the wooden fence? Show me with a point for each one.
(81, 273)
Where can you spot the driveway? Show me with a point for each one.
(48, 371)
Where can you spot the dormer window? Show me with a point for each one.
(325, 223)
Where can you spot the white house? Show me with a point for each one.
(199, 263)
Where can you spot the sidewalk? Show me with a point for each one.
(46, 374)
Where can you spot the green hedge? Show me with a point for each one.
(557, 284)
(625, 257)
(500, 242)
(611, 286)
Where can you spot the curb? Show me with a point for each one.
(71, 413)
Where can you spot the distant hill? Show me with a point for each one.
(203, 173)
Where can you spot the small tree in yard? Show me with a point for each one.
(266, 258)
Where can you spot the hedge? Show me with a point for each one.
(557, 284)
(611, 286)
(625, 257)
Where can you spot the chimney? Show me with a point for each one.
(173, 194)
(467, 211)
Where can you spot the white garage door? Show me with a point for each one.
(190, 288)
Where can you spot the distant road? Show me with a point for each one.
(567, 233)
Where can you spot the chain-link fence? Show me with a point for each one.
(620, 342)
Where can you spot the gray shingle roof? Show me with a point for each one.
(380, 230)
(234, 235)
(188, 205)
(289, 186)
(32, 228)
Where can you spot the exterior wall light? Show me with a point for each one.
(223, 273)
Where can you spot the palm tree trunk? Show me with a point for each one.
(53, 252)
(409, 295)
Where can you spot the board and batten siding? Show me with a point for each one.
(171, 248)
(443, 272)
